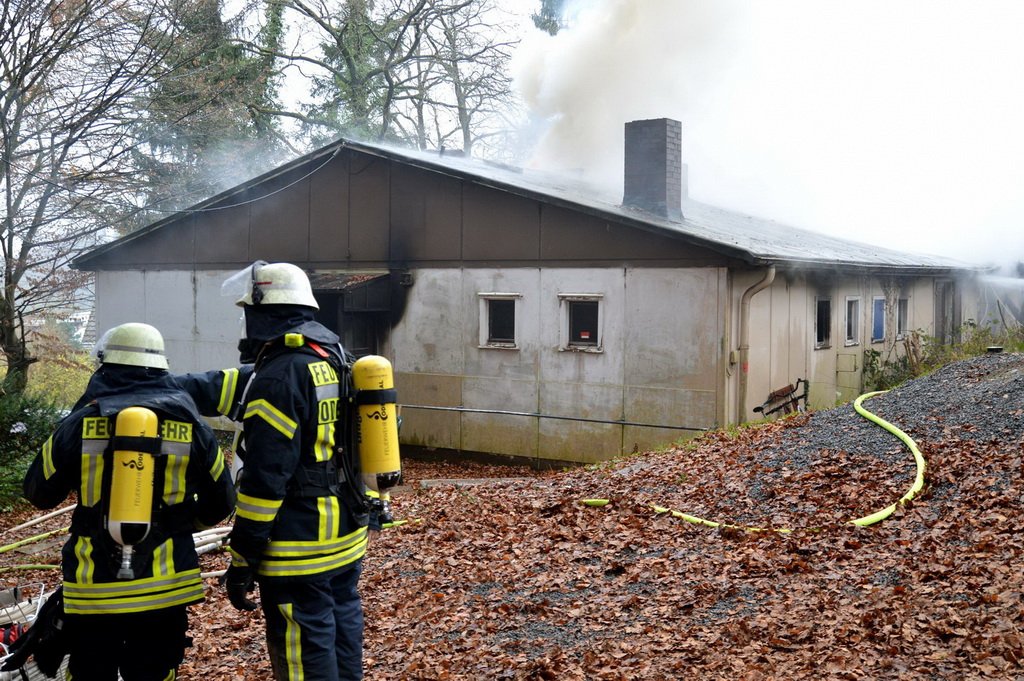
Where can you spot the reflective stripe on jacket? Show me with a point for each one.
(192, 488)
(294, 419)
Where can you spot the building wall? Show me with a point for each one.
(782, 339)
(659, 362)
(200, 327)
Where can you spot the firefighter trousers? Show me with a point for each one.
(143, 646)
(315, 629)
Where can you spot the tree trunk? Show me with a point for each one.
(18, 361)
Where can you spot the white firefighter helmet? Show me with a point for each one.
(278, 283)
(134, 344)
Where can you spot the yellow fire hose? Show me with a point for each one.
(862, 522)
(30, 540)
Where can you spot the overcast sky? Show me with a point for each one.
(891, 121)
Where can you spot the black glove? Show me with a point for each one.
(240, 580)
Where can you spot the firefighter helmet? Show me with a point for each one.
(263, 283)
(134, 344)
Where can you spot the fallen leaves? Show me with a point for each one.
(521, 579)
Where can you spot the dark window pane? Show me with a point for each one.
(583, 322)
(501, 321)
(359, 334)
(330, 305)
(823, 323)
(852, 321)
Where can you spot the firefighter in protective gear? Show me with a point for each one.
(133, 625)
(301, 521)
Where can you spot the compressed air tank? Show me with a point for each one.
(378, 420)
(131, 482)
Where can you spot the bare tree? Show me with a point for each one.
(70, 72)
(422, 72)
(461, 82)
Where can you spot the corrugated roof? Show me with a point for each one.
(751, 239)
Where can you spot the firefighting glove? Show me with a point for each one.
(239, 581)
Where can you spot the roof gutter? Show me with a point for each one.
(766, 281)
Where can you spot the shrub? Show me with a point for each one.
(25, 423)
(923, 354)
(60, 378)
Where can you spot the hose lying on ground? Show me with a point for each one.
(30, 540)
(861, 522)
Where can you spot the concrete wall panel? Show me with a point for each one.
(605, 367)
(500, 362)
(199, 326)
(120, 298)
(500, 434)
(430, 338)
(577, 441)
(429, 428)
(673, 328)
(662, 407)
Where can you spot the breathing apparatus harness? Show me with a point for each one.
(338, 476)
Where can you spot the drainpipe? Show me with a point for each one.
(769, 277)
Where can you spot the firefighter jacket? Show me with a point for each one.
(192, 489)
(301, 510)
(218, 392)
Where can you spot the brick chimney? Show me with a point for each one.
(655, 176)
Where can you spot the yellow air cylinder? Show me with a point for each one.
(131, 484)
(378, 420)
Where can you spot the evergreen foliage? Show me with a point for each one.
(204, 125)
(25, 424)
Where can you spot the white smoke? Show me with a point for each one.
(895, 123)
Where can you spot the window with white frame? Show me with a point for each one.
(852, 320)
(902, 317)
(822, 322)
(498, 320)
(582, 319)
(878, 319)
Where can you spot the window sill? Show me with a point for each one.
(851, 344)
(594, 350)
(499, 346)
(823, 347)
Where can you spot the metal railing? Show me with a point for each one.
(538, 415)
